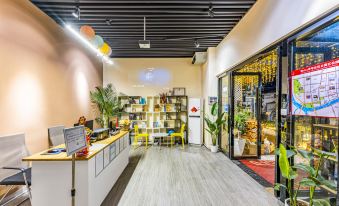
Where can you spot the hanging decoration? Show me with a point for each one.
(87, 31)
(97, 41)
(105, 49)
(267, 66)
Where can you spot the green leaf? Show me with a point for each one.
(310, 170)
(290, 153)
(321, 202)
(293, 173)
(307, 182)
(283, 162)
(214, 109)
(277, 186)
(306, 154)
(328, 183)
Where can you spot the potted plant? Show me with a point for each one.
(125, 124)
(290, 173)
(240, 121)
(214, 123)
(314, 178)
(107, 103)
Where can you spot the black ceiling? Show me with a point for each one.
(171, 26)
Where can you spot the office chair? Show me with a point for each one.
(13, 171)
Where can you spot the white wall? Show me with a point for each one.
(132, 76)
(209, 86)
(266, 22)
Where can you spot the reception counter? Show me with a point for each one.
(95, 174)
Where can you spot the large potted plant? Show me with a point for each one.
(290, 173)
(214, 123)
(106, 102)
(314, 178)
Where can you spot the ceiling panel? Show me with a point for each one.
(173, 27)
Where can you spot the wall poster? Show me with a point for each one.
(315, 90)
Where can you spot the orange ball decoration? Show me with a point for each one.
(105, 49)
(87, 31)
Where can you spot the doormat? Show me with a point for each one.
(263, 168)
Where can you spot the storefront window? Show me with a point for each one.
(225, 108)
(314, 94)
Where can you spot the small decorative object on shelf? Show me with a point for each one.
(163, 99)
(124, 124)
(179, 91)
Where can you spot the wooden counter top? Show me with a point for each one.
(94, 149)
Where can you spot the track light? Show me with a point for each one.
(76, 12)
(210, 11)
(108, 22)
(196, 43)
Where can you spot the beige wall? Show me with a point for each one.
(45, 75)
(132, 76)
(265, 23)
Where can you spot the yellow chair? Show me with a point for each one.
(181, 134)
(138, 135)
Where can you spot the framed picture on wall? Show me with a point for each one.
(179, 91)
(212, 100)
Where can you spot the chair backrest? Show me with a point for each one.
(12, 150)
(56, 135)
(136, 129)
(182, 130)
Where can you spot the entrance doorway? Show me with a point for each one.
(249, 97)
(245, 101)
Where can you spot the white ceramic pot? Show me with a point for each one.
(214, 148)
(287, 202)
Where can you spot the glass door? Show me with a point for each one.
(245, 115)
(224, 107)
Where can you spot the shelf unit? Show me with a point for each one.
(153, 116)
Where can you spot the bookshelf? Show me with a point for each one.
(152, 115)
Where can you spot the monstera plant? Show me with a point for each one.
(107, 103)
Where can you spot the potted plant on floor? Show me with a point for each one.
(314, 178)
(106, 102)
(214, 123)
(290, 173)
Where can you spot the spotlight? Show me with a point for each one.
(108, 22)
(210, 11)
(196, 43)
(76, 12)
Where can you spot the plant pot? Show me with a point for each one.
(299, 202)
(214, 148)
(125, 127)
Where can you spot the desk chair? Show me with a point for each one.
(138, 135)
(13, 171)
(181, 134)
(56, 135)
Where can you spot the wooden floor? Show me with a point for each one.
(193, 176)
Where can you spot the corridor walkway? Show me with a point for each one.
(193, 176)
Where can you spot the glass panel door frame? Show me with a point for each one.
(221, 109)
(258, 108)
